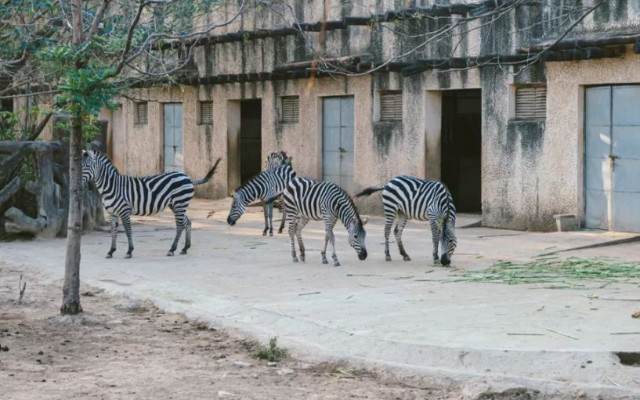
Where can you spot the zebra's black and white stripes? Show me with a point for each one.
(123, 196)
(306, 199)
(407, 198)
(266, 186)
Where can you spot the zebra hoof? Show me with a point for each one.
(406, 258)
(336, 264)
(109, 256)
(170, 254)
(295, 259)
(128, 255)
(325, 261)
(183, 252)
(264, 233)
(270, 233)
(387, 258)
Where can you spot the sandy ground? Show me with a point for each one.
(124, 349)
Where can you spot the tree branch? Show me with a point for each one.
(97, 19)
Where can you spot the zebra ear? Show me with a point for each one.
(232, 193)
(364, 221)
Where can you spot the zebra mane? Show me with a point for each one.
(104, 161)
(352, 204)
(255, 177)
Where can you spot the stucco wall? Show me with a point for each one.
(530, 169)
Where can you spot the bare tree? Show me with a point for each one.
(84, 53)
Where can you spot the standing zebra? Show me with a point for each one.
(409, 197)
(306, 199)
(274, 160)
(266, 186)
(123, 196)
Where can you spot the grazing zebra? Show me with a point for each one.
(123, 196)
(266, 186)
(409, 197)
(306, 199)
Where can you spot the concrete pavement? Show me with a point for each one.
(399, 314)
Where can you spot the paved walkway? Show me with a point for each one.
(397, 314)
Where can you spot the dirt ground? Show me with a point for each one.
(120, 348)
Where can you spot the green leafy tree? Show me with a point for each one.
(83, 54)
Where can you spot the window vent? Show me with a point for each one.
(290, 109)
(391, 106)
(531, 102)
(206, 112)
(141, 113)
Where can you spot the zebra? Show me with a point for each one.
(306, 199)
(274, 160)
(409, 197)
(123, 196)
(266, 186)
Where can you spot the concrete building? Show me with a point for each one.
(467, 92)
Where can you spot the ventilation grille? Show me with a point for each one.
(141, 113)
(290, 109)
(531, 102)
(391, 106)
(206, 112)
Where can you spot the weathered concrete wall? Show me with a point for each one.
(530, 169)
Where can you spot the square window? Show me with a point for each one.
(206, 113)
(290, 110)
(531, 102)
(391, 106)
(141, 113)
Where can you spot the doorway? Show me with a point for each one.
(250, 139)
(461, 147)
(337, 141)
(172, 137)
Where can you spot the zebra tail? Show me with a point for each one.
(369, 191)
(209, 175)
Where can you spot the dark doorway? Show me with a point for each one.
(461, 147)
(250, 139)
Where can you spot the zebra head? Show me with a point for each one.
(449, 243)
(357, 235)
(90, 166)
(238, 205)
(276, 159)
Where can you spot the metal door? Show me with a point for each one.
(173, 137)
(337, 141)
(612, 159)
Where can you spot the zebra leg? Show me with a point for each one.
(284, 218)
(435, 236)
(301, 224)
(270, 210)
(266, 221)
(388, 222)
(180, 224)
(336, 263)
(126, 222)
(330, 225)
(113, 224)
(187, 235)
(293, 226)
(402, 222)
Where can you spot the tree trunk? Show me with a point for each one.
(71, 288)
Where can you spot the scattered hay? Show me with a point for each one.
(559, 273)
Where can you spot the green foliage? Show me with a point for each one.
(271, 352)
